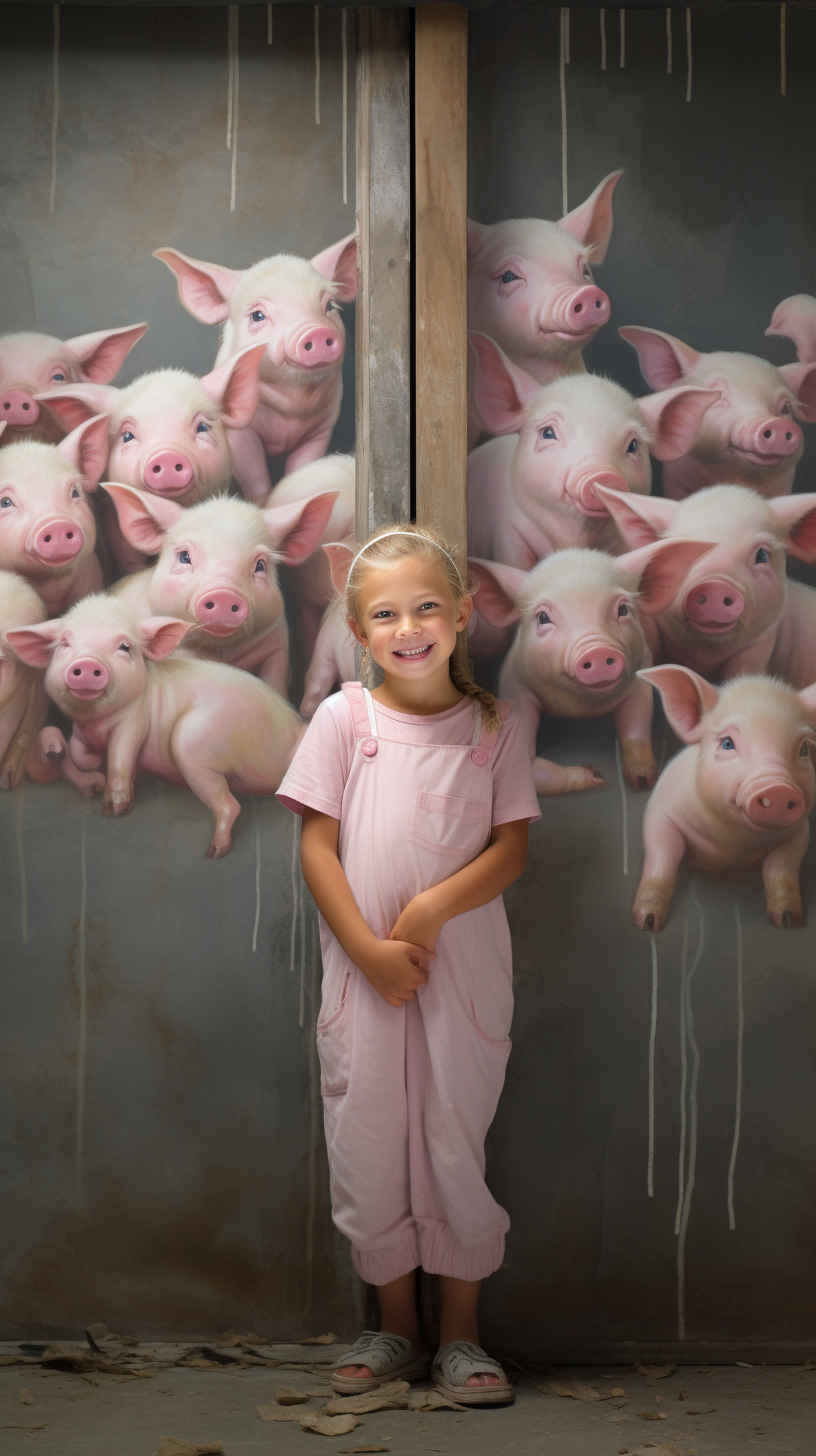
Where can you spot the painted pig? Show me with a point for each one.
(738, 796)
(735, 611)
(333, 660)
(47, 523)
(32, 363)
(292, 307)
(170, 433)
(199, 725)
(217, 571)
(583, 633)
(312, 581)
(23, 702)
(795, 318)
(750, 435)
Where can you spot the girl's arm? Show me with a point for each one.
(393, 967)
(476, 884)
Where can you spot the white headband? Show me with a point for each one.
(416, 536)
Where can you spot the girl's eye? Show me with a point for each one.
(378, 616)
(257, 316)
(184, 558)
(727, 743)
(509, 277)
(127, 437)
(548, 433)
(623, 610)
(762, 556)
(632, 447)
(58, 377)
(202, 427)
(428, 606)
(6, 502)
(260, 567)
(542, 618)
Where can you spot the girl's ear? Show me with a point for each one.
(357, 631)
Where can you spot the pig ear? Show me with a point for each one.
(34, 645)
(339, 263)
(87, 448)
(475, 233)
(687, 698)
(591, 223)
(144, 519)
(641, 519)
(661, 568)
(674, 417)
(2, 426)
(234, 386)
(807, 697)
(340, 558)
(81, 402)
(296, 529)
(801, 378)
(161, 636)
(663, 359)
(204, 288)
(102, 354)
(798, 515)
(501, 390)
(795, 318)
(498, 589)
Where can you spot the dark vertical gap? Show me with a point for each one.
(412, 245)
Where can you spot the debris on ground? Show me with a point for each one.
(575, 1389)
(649, 1450)
(360, 1450)
(172, 1446)
(21, 1426)
(125, 1358)
(25, 1397)
(298, 1395)
(652, 1415)
(318, 1340)
(428, 1400)
(329, 1425)
(391, 1396)
(656, 1372)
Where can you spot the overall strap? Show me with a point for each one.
(363, 716)
(488, 736)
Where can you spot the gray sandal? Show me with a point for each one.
(455, 1363)
(388, 1357)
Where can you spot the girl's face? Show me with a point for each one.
(409, 618)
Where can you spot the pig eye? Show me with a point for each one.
(785, 409)
(804, 751)
(202, 427)
(6, 502)
(57, 376)
(762, 556)
(727, 743)
(124, 647)
(260, 566)
(184, 558)
(587, 272)
(632, 447)
(543, 618)
(127, 437)
(331, 307)
(74, 493)
(548, 433)
(257, 316)
(623, 610)
(508, 277)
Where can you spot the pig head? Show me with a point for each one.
(31, 364)
(795, 318)
(311, 582)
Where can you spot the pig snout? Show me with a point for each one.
(714, 605)
(317, 347)
(18, 408)
(86, 678)
(58, 542)
(775, 803)
(583, 310)
(221, 611)
(167, 473)
(599, 667)
(583, 494)
(775, 437)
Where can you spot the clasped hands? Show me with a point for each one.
(396, 967)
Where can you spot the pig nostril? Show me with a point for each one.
(6, 404)
(597, 303)
(610, 661)
(233, 609)
(587, 665)
(77, 672)
(97, 673)
(178, 467)
(209, 606)
(157, 470)
(791, 803)
(48, 538)
(727, 601)
(578, 307)
(701, 601)
(789, 436)
(767, 434)
(26, 406)
(330, 343)
(308, 347)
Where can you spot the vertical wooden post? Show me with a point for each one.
(440, 101)
(383, 320)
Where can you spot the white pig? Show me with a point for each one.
(293, 307)
(23, 702)
(217, 571)
(202, 725)
(47, 523)
(795, 318)
(750, 435)
(334, 658)
(583, 634)
(33, 363)
(312, 581)
(735, 611)
(738, 796)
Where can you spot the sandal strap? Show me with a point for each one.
(379, 1352)
(461, 1359)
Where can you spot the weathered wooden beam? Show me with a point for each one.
(440, 102)
(383, 323)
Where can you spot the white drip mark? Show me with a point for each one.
(603, 39)
(624, 806)
(18, 793)
(83, 1014)
(668, 41)
(230, 70)
(783, 51)
(566, 15)
(563, 79)
(314, 1116)
(235, 74)
(622, 39)
(688, 51)
(317, 63)
(681, 1160)
(55, 109)
(740, 1039)
(652, 1038)
(295, 888)
(257, 820)
(344, 46)
(302, 900)
(269, 25)
(692, 1157)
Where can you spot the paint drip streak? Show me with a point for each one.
(622, 39)
(603, 39)
(688, 52)
(83, 1015)
(344, 44)
(566, 14)
(783, 51)
(652, 1039)
(302, 900)
(693, 1121)
(21, 865)
(269, 25)
(563, 81)
(624, 807)
(55, 109)
(256, 817)
(668, 41)
(317, 63)
(732, 1223)
(236, 78)
(230, 71)
(295, 888)
(681, 1161)
(314, 1115)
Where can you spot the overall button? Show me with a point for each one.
(369, 747)
(480, 757)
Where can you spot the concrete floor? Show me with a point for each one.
(719, 1411)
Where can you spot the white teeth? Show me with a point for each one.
(412, 651)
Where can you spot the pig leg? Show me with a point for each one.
(780, 874)
(123, 755)
(208, 783)
(18, 745)
(665, 848)
(249, 463)
(323, 672)
(308, 450)
(555, 778)
(51, 759)
(633, 720)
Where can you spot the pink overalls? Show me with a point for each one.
(409, 1092)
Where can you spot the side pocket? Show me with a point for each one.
(334, 1043)
(500, 1043)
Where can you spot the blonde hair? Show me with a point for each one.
(392, 543)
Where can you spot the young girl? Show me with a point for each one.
(415, 799)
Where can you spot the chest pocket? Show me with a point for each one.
(448, 825)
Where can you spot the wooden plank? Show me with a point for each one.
(440, 101)
(383, 321)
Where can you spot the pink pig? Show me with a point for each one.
(333, 660)
(47, 524)
(312, 581)
(580, 641)
(23, 703)
(750, 436)
(795, 318)
(32, 363)
(197, 724)
(292, 307)
(739, 795)
(735, 611)
(217, 571)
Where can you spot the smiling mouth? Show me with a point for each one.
(86, 695)
(414, 654)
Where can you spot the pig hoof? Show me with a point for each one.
(786, 919)
(217, 851)
(647, 919)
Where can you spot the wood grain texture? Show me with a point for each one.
(383, 323)
(441, 268)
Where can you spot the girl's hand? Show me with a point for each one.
(395, 968)
(419, 922)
